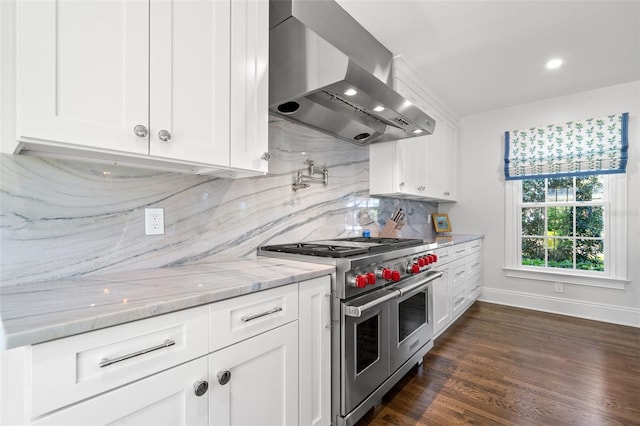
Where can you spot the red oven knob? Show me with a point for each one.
(415, 268)
(421, 261)
(385, 274)
(395, 275)
(371, 278)
(435, 258)
(360, 281)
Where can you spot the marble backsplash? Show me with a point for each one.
(65, 218)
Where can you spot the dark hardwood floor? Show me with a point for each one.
(500, 365)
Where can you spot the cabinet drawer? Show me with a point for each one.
(77, 367)
(242, 317)
(473, 289)
(473, 246)
(458, 301)
(459, 273)
(445, 255)
(458, 251)
(473, 264)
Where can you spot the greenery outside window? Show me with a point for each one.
(562, 223)
(567, 229)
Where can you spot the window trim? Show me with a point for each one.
(615, 275)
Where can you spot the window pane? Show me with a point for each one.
(533, 251)
(560, 253)
(589, 221)
(560, 221)
(590, 255)
(560, 189)
(589, 188)
(533, 191)
(533, 221)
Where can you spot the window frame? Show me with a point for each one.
(615, 240)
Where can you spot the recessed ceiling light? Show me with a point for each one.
(554, 63)
(350, 92)
(379, 108)
(417, 131)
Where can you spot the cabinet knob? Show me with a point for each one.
(201, 387)
(164, 135)
(266, 156)
(224, 377)
(141, 131)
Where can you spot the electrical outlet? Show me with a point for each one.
(154, 221)
(559, 288)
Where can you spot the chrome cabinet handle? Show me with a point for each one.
(224, 377)
(141, 131)
(106, 362)
(252, 317)
(266, 156)
(164, 135)
(201, 387)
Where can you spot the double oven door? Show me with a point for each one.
(380, 332)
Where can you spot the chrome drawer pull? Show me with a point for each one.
(106, 362)
(252, 317)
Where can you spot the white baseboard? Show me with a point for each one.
(556, 305)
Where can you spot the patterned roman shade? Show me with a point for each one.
(583, 147)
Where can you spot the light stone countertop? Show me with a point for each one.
(446, 239)
(42, 311)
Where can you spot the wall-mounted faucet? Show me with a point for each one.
(300, 182)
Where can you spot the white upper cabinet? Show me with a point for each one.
(83, 72)
(423, 167)
(146, 83)
(249, 84)
(189, 81)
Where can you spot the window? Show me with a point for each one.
(562, 223)
(565, 211)
(567, 229)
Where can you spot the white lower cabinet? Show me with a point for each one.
(255, 382)
(441, 302)
(460, 285)
(315, 352)
(166, 398)
(258, 359)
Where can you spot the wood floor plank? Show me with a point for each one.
(500, 365)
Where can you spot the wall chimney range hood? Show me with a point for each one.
(327, 72)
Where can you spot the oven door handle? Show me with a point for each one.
(357, 311)
(419, 286)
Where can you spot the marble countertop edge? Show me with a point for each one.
(25, 321)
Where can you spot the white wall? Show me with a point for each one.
(482, 209)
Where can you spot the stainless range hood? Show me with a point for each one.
(327, 72)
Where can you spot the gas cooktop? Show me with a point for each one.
(345, 247)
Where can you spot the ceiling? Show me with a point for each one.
(484, 55)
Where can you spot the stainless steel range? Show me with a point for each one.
(381, 313)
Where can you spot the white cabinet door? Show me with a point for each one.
(189, 80)
(82, 73)
(315, 351)
(262, 386)
(441, 302)
(249, 103)
(442, 162)
(167, 398)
